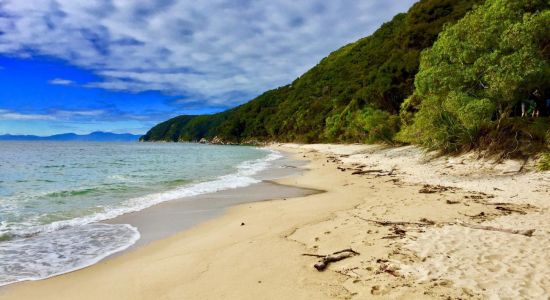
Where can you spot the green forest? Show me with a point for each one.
(449, 75)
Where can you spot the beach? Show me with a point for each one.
(424, 227)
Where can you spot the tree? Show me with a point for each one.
(478, 71)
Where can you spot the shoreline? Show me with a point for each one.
(263, 258)
(166, 218)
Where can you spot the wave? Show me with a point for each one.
(63, 251)
(241, 178)
(63, 246)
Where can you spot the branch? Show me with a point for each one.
(325, 260)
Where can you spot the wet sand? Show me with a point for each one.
(168, 218)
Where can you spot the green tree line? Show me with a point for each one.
(451, 75)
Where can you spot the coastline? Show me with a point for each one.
(168, 218)
(221, 258)
(159, 219)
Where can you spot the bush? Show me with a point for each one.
(544, 162)
(378, 125)
(475, 75)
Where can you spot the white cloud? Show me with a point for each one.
(12, 115)
(207, 49)
(58, 114)
(60, 81)
(79, 113)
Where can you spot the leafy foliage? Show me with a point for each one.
(476, 76)
(544, 162)
(351, 95)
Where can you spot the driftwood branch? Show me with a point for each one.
(325, 260)
(361, 172)
(427, 222)
(430, 189)
(423, 222)
(510, 210)
(525, 232)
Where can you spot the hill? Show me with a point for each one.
(97, 136)
(353, 95)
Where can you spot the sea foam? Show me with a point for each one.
(43, 251)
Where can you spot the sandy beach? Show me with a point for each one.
(424, 227)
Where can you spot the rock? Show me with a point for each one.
(203, 141)
(217, 141)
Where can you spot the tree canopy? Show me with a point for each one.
(353, 95)
(476, 77)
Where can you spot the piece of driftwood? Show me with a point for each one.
(325, 260)
(430, 189)
(427, 222)
(525, 232)
(423, 222)
(510, 210)
(362, 172)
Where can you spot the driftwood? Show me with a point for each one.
(510, 210)
(426, 222)
(423, 222)
(325, 260)
(430, 189)
(525, 232)
(362, 172)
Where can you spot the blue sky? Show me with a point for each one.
(123, 66)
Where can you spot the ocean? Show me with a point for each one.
(54, 195)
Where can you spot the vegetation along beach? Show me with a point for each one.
(405, 153)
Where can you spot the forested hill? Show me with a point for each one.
(343, 98)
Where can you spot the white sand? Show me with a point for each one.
(497, 265)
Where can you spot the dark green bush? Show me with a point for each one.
(476, 75)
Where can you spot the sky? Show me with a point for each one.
(125, 65)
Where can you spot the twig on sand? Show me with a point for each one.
(361, 172)
(325, 260)
(423, 222)
(427, 222)
(525, 232)
(510, 210)
(430, 189)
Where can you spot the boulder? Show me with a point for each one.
(217, 141)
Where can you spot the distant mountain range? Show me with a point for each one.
(97, 136)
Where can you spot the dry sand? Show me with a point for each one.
(262, 259)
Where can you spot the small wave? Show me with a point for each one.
(176, 182)
(46, 255)
(241, 178)
(53, 166)
(63, 246)
(69, 193)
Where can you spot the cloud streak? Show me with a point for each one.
(12, 115)
(61, 81)
(207, 50)
(83, 115)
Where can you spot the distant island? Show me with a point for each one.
(97, 136)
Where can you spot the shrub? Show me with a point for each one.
(476, 73)
(543, 163)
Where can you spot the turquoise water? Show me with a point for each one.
(52, 194)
